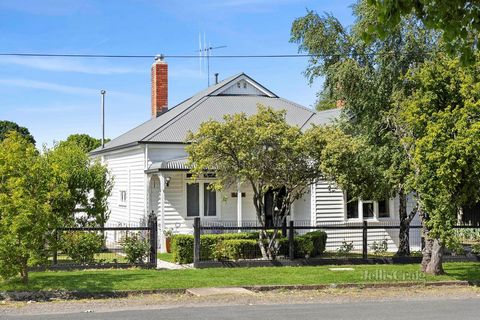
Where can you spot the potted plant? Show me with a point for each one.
(168, 233)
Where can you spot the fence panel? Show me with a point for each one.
(106, 246)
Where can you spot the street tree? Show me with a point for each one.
(262, 151)
(362, 79)
(458, 20)
(440, 113)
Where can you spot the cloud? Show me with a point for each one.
(55, 87)
(67, 65)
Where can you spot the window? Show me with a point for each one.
(201, 202)
(352, 208)
(209, 201)
(193, 196)
(123, 197)
(383, 209)
(368, 210)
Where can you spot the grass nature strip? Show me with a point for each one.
(137, 279)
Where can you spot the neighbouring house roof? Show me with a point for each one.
(212, 104)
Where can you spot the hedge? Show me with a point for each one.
(235, 246)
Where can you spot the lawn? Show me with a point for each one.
(165, 257)
(138, 279)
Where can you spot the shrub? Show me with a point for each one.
(82, 246)
(476, 248)
(136, 248)
(345, 248)
(235, 249)
(379, 247)
(242, 246)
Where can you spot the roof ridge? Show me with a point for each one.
(298, 105)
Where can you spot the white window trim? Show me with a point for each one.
(121, 202)
(201, 195)
(376, 218)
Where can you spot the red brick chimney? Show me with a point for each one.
(159, 86)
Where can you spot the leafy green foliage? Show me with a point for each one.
(136, 248)
(85, 142)
(26, 193)
(81, 247)
(236, 246)
(7, 126)
(85, 185)
(441, 117)
(459, 20)
(345, 248)
(379, 247)
(261, 150)
(365, 156)
(43, 191)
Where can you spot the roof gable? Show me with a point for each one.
(243, 85)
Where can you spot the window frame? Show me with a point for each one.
(122, 201)
(206, 179)
(376, 217)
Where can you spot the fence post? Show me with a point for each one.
(152, 224)
(55, 248)
(291, 242)
(365, 243)
(196, 241)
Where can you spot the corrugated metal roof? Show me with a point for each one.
(173, 125)
(174, 164)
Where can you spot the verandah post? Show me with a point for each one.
(291, 242)
(365, 242)
(196, 241)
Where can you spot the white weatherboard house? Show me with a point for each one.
(148, 166)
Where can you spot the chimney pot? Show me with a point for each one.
(159, 86)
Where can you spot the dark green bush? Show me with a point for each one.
(235, 249)
(243, 246)
(81, 246)
(136, 248)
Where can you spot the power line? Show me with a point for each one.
(74, 55)
(238, 56)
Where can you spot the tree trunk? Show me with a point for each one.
(405, 220)
(24, 273)
(432, 252)
(436, 258)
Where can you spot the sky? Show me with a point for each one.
(56, 97)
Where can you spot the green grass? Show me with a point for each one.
(107, 257)
(165, 257)
(137, 279)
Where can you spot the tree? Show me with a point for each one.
(86, 142)
(40, 192)
(26, 215)
(459, 21)
(7, 126)
(362, 78)
(440, 113)
(86, 183)
(263, 151)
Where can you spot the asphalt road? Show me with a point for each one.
(392, 310)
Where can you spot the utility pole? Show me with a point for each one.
(103, 92)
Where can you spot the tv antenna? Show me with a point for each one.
(204, 52)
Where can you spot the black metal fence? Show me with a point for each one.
(106, 246)
(362, 240)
